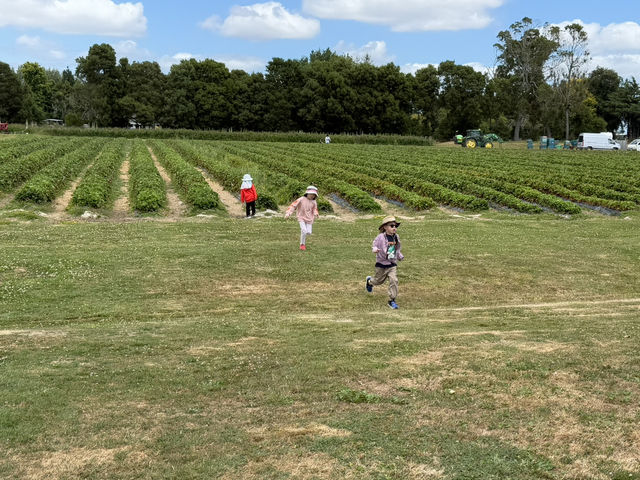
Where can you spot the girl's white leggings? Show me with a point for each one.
(305, 229)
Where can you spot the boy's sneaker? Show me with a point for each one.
(303, 247)
(368, 286)
(393, 304)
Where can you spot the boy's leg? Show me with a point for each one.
(393, 282)
(253, 208)
(247, 207)
(379, 277)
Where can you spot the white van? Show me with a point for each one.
(597, 141)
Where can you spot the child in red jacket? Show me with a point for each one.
(248, 195)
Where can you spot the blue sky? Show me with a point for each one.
(247, 34)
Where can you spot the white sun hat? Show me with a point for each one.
(312, 189)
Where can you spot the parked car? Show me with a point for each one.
(635, 145)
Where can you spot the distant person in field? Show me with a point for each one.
(327, 139)
(307, 211)
(386, 246)
(248, 195)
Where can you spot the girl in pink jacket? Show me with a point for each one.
(307, 212)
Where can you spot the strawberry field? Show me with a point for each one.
(95, 172)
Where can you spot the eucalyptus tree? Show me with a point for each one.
(523, 52)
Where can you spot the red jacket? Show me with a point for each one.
(248, 194)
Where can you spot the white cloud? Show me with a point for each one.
(376, 51)
(167, 61)
(248, 64)
(98, 17)
(29, 42)
(131, 50)
(615, 46)
(408, 15)
(263, 21)
(626, 65)
(612, 38)
(414, 67)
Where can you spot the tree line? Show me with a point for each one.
(538, 86)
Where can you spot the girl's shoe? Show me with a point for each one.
(393, 304)
(303, 247)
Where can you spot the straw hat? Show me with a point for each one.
(312, 189)
(386, 220)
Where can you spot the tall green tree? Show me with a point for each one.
(11, 94)
(100, 73)
(37, 88)
(426, 86)
(626, 103)
(460, 98)
(143, 92)
(603, 83)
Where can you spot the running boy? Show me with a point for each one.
(386, 246)
(307, 212)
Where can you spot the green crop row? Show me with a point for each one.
(365, 179)
(316, 174)
(11, 149)
(17, 170)
(96, 188)
(398, 176)
(188, 181)
(47, 184)
(216, 165)
(147, 188)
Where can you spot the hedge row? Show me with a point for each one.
(17, 170)
(96, 188)
(188, 181)
(147, 188)
(225, 135)
(53, 179)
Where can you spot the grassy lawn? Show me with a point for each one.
(215, 349)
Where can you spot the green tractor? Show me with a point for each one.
(475, 138)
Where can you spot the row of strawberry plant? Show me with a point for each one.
(188, 181)
(524, 177)
(359, 199)
(416, 184)
(497, 190)
(433, 175)
(147, 188)
(97, 186)
(17, 170)
(216, 164)
(280, 186)
(47, 184)
(367, 180)
(11, 149)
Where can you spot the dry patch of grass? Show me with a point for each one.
(68, 463)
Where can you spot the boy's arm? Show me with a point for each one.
(242, 195)
(291, 208)
(398, 252)
(377, 244)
